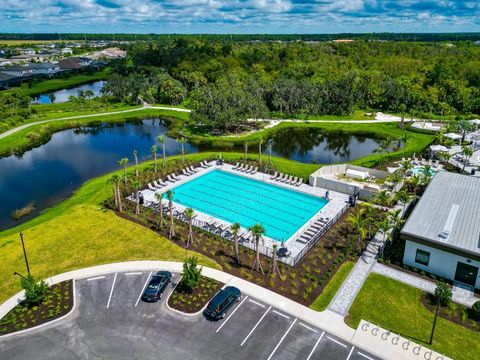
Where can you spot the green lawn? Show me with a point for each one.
(355, 115)
(59, 83)
(396, 306)
(324, 299)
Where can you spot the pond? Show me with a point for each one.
(49, 173)
(62, 96)
(310, 145)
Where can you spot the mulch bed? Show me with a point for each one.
(456, 313)
(191, 301)
(58, 302)
(302, 283)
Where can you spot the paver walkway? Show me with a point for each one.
(460, 295)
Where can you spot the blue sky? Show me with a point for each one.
(239, 16)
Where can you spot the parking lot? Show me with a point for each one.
(112, 322)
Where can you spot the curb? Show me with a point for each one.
(178, 311)
(48, 323)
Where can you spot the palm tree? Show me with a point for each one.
(135, 156)
(171, 232)
(403, 197)
(123, 163)
(257, 232)
(395, 218)
(161, 140)
(245, 149)
(153, 150)
(384, 226)
(88, 94)
(235, 228)
(383, 148)
(442, 296)
(51, 96)
(426, 173)
(274, 270)
(72, 100)
(405, 166)
(368, 212)
(137, 185)
(182, 142)
(359, 223)
(467, 152)
(190, 214)
(260, 151)
(382, 198)
(115, 180)
(269, 148)
(159, 197)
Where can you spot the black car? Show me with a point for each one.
(156, 286)
(218, 306)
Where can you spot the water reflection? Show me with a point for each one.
(62, 96)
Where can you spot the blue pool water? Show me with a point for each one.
(235, 198)
(417, 170)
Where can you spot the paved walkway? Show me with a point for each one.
(25, 126)
(460, 295)
(327, 320)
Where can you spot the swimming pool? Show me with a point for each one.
(417, 170)
(235, 198)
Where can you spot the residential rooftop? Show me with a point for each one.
(448, 213)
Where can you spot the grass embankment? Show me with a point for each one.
(39, 134)
(65, 83)
(397, 307)
(79, 232)
(324, 299)
(355, 115)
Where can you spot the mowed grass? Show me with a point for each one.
(327, 295)
(79, 232)
(396, 306)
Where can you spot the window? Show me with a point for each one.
(422, 257)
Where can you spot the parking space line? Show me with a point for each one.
(111, 290)
(143, 288)
(134, 273)
(233, 312)
(283, 338)
(307, 327)
(96, 278)
(365, 356)
(256, 303)
(258, 323)
(315, 346)
(336, 341)
(279, 313)
(350, 353)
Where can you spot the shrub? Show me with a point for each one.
(35, 291)
(476, 310)
(191, 272)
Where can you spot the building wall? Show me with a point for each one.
(441, 263)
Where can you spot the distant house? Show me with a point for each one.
(74, 63)
(32, 69)
(443, 232)
(28, 51)
(67, 51)
(7, 80)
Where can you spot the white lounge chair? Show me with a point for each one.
(247, 169)
(254, 171)
(161, 182)
(169, 178)
(156, 184)
(151, 187)
(285, 179)
(294, 181)
(299, 182)
(274, 176)
(192, 169)
(436, 163)
(280, 177)
(236, 166)
(185, 172)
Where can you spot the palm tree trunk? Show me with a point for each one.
(235, 244)
(260, 154)
(183, 154)
(119, 194)
(164, 155)
(136, 165)
(125, 174)
(155, 163)
(137, 205)
(257, 265)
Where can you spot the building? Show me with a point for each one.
(443, 232)
(32, 69)
(74, 63)
(67, 51)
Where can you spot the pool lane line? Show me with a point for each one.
(315, 346)
(96, 278)
(111, 290)
(143, 288)
(283, 338)
(258, 323)
(233, 312)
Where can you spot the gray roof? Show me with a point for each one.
(448, 213)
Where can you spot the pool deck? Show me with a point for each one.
(337, 202)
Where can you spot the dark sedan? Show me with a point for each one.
(225, 298)
(157, 285)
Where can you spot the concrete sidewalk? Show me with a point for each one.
(327, 320)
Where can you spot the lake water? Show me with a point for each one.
(62, 96)
(49, 173)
